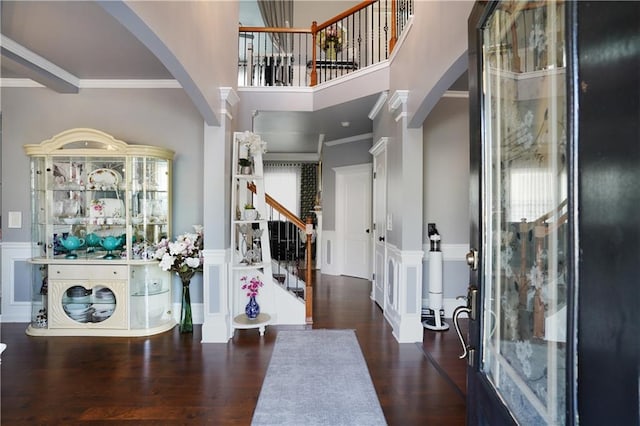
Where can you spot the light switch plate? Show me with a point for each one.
(15, 220)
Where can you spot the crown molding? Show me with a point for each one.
(379, 104)
(356, 138)
(398, 98)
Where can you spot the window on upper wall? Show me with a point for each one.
(282, 182)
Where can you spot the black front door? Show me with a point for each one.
(555, 196)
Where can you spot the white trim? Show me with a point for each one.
(13, 252)
(20, 83)
(330, 253)
(456, 94)
(369, 69)
(355, 138)
(398, 98)
(379, 104)
(302, 157)
(450, 252)
(216, 327)
(400, 116)
(33, 61)
(130, 84)
(404, 310)
(26, 83)
(449, 304)
(379, 146)
(229, 95)
(355, 169)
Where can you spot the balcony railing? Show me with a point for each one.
(356, 38)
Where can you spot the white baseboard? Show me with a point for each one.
(448, 304)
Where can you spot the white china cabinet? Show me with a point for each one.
(99, 206)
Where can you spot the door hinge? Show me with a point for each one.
(374, 175)
(374, 226)
(373, 277)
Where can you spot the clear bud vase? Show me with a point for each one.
(186, 320)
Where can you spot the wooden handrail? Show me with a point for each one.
(280, 208)
(308, 298)
(318, 28)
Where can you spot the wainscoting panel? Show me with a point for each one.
(216, 320)
(16, 282)
(404, 294)
(330, 263)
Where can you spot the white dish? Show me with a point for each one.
(104, 179)
(77, 309)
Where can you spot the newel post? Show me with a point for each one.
(314, 35)
(308, 273)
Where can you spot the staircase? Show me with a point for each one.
(284, 298)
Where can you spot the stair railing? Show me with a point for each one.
(356, 38)
(291, 242)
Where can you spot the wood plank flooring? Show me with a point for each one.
(173, 379)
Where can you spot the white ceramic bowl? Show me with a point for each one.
(76, 308)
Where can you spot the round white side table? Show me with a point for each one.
(243, 322)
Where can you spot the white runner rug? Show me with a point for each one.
(317, 377)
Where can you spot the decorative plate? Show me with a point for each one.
(104, 178)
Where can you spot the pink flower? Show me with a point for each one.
(251, 286)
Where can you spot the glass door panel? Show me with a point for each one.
(524, 207)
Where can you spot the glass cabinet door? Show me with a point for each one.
(523, 204)
(86, 207)
(149, 203)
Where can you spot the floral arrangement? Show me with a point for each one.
(251, 285)
(182, 256)
(332, 35)
(253, 142)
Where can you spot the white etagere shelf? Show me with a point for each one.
(251, 254)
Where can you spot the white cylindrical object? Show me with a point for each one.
(435, 280)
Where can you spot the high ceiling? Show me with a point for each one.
(86, 42)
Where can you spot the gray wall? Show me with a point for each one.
(446, 170)
(446, 187)
(346, 154)
(160, 117)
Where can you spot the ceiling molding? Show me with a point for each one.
(36, 67)
(19, 83)
(356, 138)
(229, 95)
(398, 98)
(301, 157)
(379, 104)
(379, 146)
(456, 94)
(129, 84)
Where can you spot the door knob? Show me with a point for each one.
(380, 238)
(472, 259)
(367, 230)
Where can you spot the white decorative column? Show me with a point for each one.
(404, 230)
(216, 325)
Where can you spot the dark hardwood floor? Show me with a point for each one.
(173, 379)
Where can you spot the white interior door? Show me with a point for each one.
(379, 228)
(353, 217)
